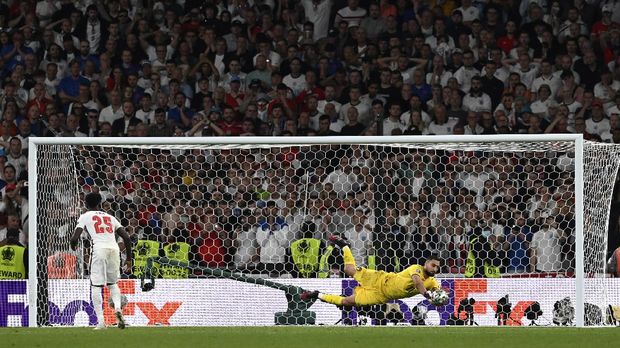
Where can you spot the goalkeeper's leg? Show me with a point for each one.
(329, 298)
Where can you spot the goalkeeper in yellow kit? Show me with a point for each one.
(378, 287)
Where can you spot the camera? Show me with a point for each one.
(503, 310)
(532, 312)
(465, 305)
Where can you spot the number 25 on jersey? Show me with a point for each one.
(102, 224)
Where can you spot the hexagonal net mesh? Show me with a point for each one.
(501, 217)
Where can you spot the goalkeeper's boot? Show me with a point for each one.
(100, 327)
(309, 295)
(339, 241)
(120, 320)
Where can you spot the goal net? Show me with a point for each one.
(230, 232)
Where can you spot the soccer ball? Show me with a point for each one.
(123, 301)
(440, 298)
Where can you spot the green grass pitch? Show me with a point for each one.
(337, 337)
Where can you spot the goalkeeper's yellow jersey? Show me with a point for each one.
(400, 285)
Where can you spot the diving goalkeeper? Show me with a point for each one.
(378, 287)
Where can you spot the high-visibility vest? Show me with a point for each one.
(177, 252)
(305, 253)
(323, 264)
(143, 250)
(12, 262)
(61, 265)
(490, 271)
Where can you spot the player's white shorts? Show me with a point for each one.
(105, 266)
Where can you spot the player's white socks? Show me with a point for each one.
(98, 304)
(115, 292)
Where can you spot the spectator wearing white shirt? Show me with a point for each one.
(526, 69)
(319, 13)
(607, 89)
(272, 58)
(476, 100)
(440, 124)
(465, 73)
(614, 110)
(51, 78)
(272, 236)
(363, 109)
(352, 14)
(523, 46)
(65, 30)
(45, 11)
(598, 124)
(543, 102)
(470, 13)
(573, 17)
(440, 36)
(234, 72)
(330, 97)
(336, 123)
(360, 238)
(566, 64)
(547, 78)
(393, 120)
(439, 74)
(507, 106)
(343, 179)
(296, 81)
(473, 126)
(146, 114)
(114, 111)
(15, 156)
(546, 248)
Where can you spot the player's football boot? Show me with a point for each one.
(100, 327)
(339, 241)
(120, 320)
(309, 295)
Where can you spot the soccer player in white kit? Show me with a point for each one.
(105, 259)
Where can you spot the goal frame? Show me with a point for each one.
(577, 139)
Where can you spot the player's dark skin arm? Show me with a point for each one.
(127, 241)
(75, 238)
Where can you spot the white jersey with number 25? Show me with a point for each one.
(101, 227)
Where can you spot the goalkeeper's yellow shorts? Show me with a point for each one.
(369, 290)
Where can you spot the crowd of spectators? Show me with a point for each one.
(242, 209)
(313, 67)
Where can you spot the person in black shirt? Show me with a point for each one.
(491, 85)
(353, 127)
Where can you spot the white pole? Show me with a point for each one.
(307, 194)
(579, 238)
(32, 235)
(293, 141)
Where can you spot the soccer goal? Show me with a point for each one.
(231, 228)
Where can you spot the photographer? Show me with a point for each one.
(482, 259)
(272, 236)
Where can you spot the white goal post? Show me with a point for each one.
(589, 170)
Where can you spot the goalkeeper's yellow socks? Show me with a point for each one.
(348, 256)
(333, 299)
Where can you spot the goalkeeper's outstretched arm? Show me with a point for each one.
(419, 284)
